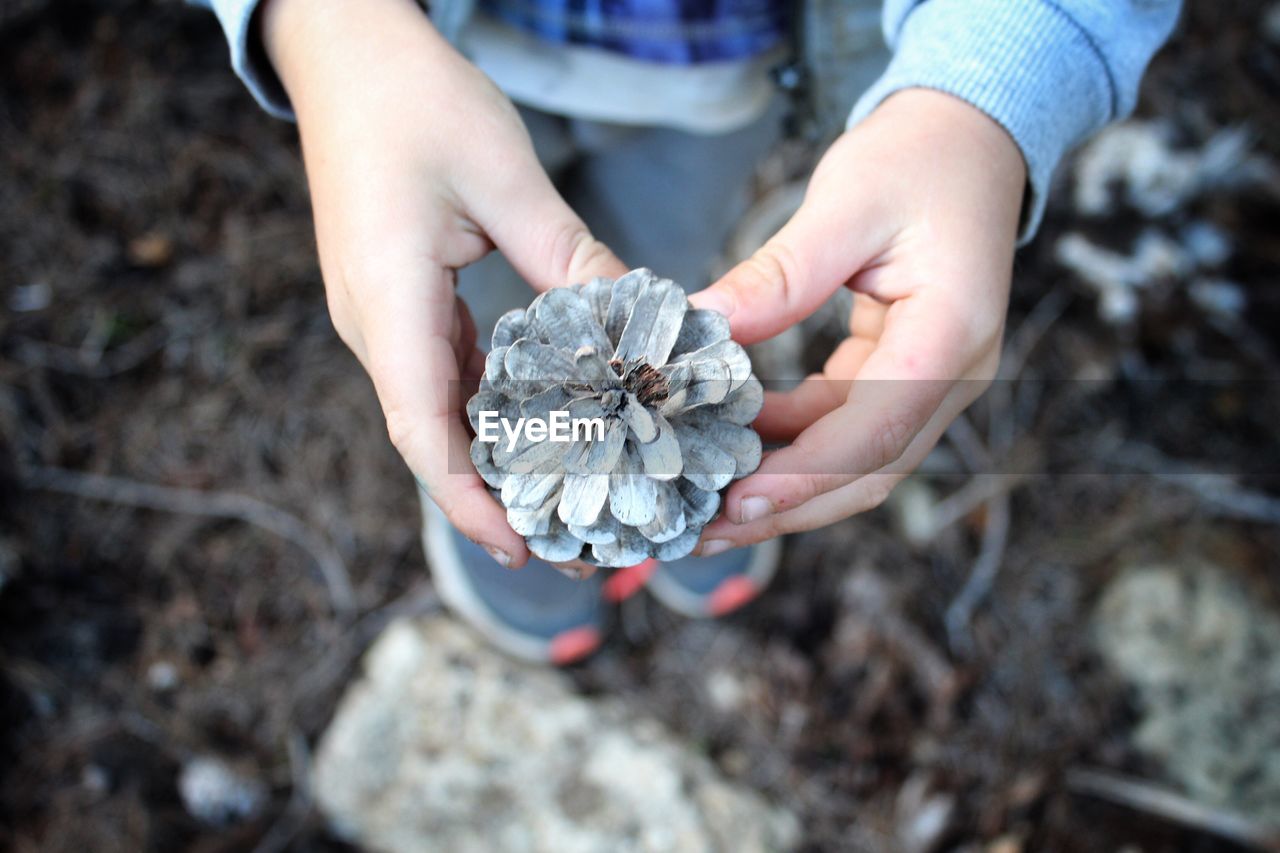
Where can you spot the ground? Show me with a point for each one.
(165, 326)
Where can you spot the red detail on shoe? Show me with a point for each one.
(573, 645)
(731, 594)
(628, 581)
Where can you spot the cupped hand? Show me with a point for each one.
(916, 209)
(418, 166)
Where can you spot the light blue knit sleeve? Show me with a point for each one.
(1050, 72)
(249, 60)
(247, 57)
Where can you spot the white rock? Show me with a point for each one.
(162, 676)
(444, 744)
(1117, 278)
(1153, 177)
(35, 296)
(1203, 656)
(1136, 156)
(921, 817)
(95, 780)
(913, 505)
(1218, 296)
(1158, 256)
(218, 795)
(725, 690)
(1271, 23)
(1208, 245)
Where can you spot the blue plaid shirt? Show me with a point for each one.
(675, 32)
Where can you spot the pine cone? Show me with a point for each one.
(676, 397)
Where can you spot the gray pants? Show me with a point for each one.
(663, 199)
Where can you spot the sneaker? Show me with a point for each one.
(535, 613)
(703, 587)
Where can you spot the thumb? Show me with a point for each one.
(789, 277)
(541, 236)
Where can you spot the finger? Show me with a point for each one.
(865, 493)
(541, 236)
(866, 319)
(902, 384)
(792, 274)
(466, 354)
(786, 415)
(464, 331)
(415, 372)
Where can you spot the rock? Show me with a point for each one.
(218, 795)
(1005, 844)
(725, 690)
(151, 250)
(163, 677)
(444, 744)
(1119, 278)
(1271, 23)
(922, 817)
(913, 506)
(1203, 657)
(1221, 298)
(1155, 177)
(35, 296)
(96, 781)
(1208, 245)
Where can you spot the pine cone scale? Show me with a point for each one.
(654, 324)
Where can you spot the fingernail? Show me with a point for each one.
(754, 508)
(714, 546)
(500, 555)
(715, 301)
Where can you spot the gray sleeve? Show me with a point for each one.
(1050, 72)
(248, 59)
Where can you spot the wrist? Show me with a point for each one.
(953, 127)
(306, 39)
(946, 115)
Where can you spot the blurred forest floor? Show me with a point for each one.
(164, 326)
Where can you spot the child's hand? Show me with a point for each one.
(916, 209)
(418, 165)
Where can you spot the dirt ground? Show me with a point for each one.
(165, 350)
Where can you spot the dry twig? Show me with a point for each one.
(1146, 797)
(291, 820)
(978, 456)
(980, 489)
(995, 536)
(969, 444)
(1032, 330)
(95, 364)
(355, 639)
(211, 504)
(1221, 494)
